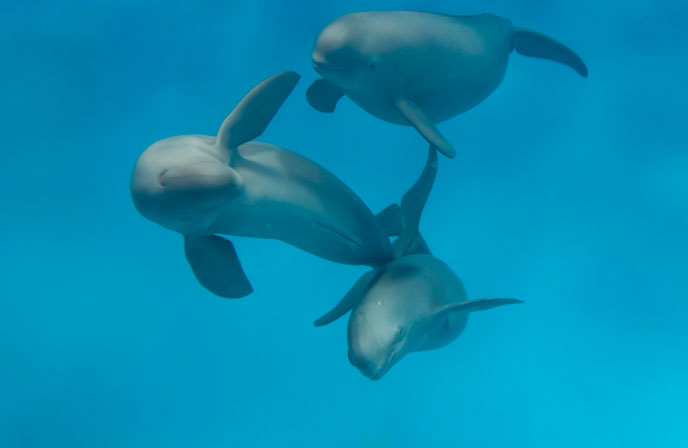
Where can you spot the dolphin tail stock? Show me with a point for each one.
(531, 43)
(323, 96)
(412, 204)
(254, 112)
(390, 220)
(418, 246)
(216, 266)
(350, 300)
(423, 124)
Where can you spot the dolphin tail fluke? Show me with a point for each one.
(531, 43)
(253, 113)
(323, 96)
(216, 266)
(350, 300)
(423, 124)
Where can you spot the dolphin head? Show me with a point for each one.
(180, 181)
(389, 321)
(375, 348)
(398, 314)
(347, 53)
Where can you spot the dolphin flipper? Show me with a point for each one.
(351, 299)
(417, 118)
(253, 113)
(470, 306)
(531, 43)
(322, 95)
(216, 266)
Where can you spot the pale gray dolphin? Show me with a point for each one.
(420, 68)
(411, 304)
(201, 186)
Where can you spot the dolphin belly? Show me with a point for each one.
(292, 199)
(379, 106)
(444, 64)
(468, 56)
(338, 244)
(318, 234)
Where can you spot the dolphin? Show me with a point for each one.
(420, 68)
(413, 303)
(201, 186)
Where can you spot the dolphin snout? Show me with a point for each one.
(318, 60)
(323, 67)
(368, 368)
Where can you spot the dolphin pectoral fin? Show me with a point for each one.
(390, 220)
(470, 306)
(253, 113)
(322, 95)
(350, 300)
(531, 43)
(216, 266)
(419, 120)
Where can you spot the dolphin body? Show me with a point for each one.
(420, 68)
(413, 303)
(201, 186)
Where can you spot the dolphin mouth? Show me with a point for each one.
(376, 372)
(323, 66)
(377, 375)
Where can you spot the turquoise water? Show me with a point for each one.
(568, 193)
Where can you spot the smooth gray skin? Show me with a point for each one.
(419, 68)
(411, 304)
(398, 314)
(417, 303)
(200, 186)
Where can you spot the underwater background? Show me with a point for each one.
(568, 193)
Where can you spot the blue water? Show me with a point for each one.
(568, 193)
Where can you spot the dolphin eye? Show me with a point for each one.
(401, 332)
